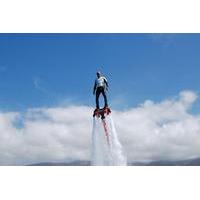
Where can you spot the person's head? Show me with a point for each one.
(98, 74)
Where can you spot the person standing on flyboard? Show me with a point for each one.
(100, 87)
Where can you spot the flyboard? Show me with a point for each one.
(102, 113)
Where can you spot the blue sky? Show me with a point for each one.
(39, 70)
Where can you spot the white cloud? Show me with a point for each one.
(151, 131)
(163, 130)
(48, 134)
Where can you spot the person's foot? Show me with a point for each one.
(95, 112)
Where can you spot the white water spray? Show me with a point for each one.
(104, 153)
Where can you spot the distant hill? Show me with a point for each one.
(189, 162)
(74, 163)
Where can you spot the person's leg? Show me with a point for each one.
(97, 98)
(105, 98)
